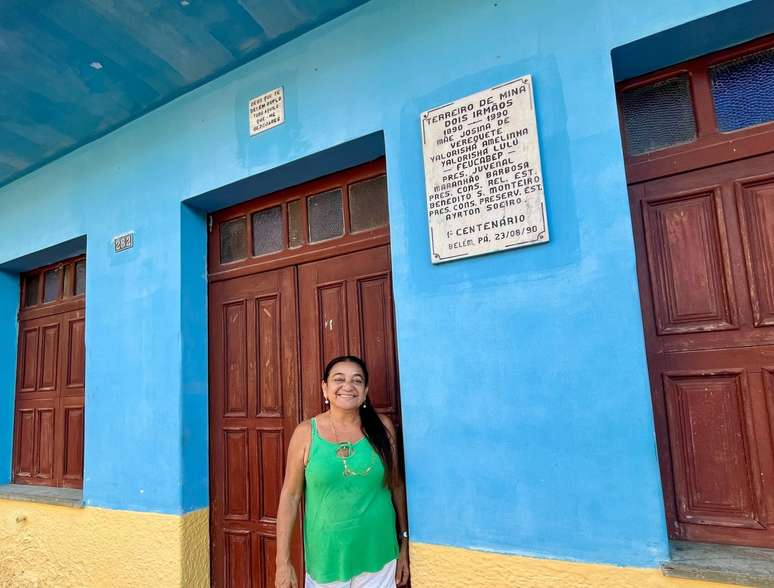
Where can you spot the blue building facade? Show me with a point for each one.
(528, 426)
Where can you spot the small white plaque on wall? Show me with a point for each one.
(266, 111)
(483, 179)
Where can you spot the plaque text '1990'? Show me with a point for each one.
(483, 179)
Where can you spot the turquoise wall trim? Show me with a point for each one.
(713, 32)
(9, 306)
(525, 396)
(193, 321)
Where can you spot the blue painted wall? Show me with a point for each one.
(194, 386)
(524, 387)
(9, 305)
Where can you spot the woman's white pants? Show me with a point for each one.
(384, 578)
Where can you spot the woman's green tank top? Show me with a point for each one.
(349, 520)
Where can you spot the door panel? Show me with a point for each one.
(25, 444)
(28, 358)
(705, 241)
(756, 214)
(378, 344)
(346, 308)
(271, 462)
(254, 408)
(688, 265)
(268, 351)
(44, 445)
(712, 410)
(48, 447)
(238, 558)
(49, 357)
(72, 467)
(76, 348)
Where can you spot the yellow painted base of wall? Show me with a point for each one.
(433, 566)
(47, 545)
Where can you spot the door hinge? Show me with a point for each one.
(209, 223)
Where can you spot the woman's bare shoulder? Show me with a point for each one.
(304, 427)
(302, 434)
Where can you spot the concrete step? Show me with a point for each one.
(744, 566)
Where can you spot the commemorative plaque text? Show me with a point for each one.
(483, 179)
(266, 111)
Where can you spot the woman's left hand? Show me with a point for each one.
(402, 567)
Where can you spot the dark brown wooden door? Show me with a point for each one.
(254, 407)
(296, 278)
(48, 444)
(346, 308)
(256, 395)
(705, 257)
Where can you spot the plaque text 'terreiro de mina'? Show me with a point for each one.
(483, 179)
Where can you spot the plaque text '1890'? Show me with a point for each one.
(483, 179)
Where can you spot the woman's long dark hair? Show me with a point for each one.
(370, 423)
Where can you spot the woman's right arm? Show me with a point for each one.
(290, 498)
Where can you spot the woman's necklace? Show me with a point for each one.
(345, 450)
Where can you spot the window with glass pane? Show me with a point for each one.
(233, 240)
(52, 285)
(295, 224)
(31, 290)
(80, 278)
(267, 231)
(658, 115)
(368, 204)
(742, 91)
(326, 216)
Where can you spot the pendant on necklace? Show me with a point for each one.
(344, 450)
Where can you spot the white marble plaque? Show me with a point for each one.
(483, 180)
(266, 111)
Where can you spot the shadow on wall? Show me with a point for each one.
(49, 255)
(317, 165)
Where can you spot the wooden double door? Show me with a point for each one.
(50, 376)
(49, 401)
(705, 245)
(271, 334)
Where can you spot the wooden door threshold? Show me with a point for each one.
(47, 494)
(730, 564)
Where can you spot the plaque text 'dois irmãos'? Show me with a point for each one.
(483, 178)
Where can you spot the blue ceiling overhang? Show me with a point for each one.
(74, 70)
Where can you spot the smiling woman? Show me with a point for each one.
(344, 463)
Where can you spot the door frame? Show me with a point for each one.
(710, 148)
(307, 252)
(70, 306)
(292, 257)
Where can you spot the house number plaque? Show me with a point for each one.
(123, 242)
